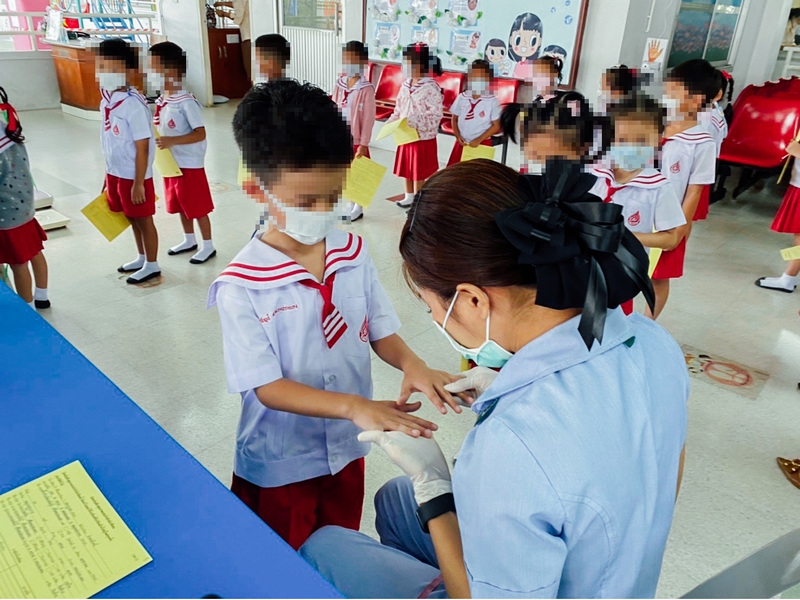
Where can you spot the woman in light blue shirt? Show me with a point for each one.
(567, 483)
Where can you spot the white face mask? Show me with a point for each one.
(535, 167)
(307, 226)
(672, 105)
(156, 82)
(112, 81)
(351, 70)
(479, 86)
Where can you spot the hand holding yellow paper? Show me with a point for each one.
(470, 153)
(792, 253)
(60, 538)
(363, 179)
(109, 223)
(165, 163)
(403, 133)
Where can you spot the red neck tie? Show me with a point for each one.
(107, 114)
(471, 113)
(159, 105)
(344, 99)
(333, 325)
(610, 191)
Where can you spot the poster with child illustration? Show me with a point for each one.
(511, 34)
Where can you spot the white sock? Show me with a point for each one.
(189, 240)
(32, 305)
(147, 269)
(135, 264)
(205, 251)
(785, 281)
(409, 197)
(40, 293)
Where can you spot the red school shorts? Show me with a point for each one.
(670, 263)
(188, 194)
(701, 214)
(297, 510)
(20, 244)
(118, 192)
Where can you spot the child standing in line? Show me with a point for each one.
(354, 94)
(180, 125)
(272, 58)
(616, 84)
(129, 149)
(788, 221)
(650, 206)
(476, 112)
(300, 308)
(688, 159)
(420, 102)
(21, 236)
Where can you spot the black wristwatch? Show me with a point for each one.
(435, 508)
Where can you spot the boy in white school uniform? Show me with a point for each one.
(476, 112)
(179, 121)
(300, 308)
(129, 148)
(650, 206)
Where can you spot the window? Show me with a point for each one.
(312, 14)
(705, 29)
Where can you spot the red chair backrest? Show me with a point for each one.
(370, 70)
(389, 82)
(505, 90)
(762, 127)
(452, 85)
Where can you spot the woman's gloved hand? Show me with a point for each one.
(419, 458)
(472, 384)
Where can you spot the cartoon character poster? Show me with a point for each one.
(426, 35)
(463, 13)
(496, 54)
(464, 46)
(386, 43)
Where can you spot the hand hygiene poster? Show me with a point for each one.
(510, 34)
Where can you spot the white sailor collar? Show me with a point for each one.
(259, 266)
(179, 96)
(648, 178)
(420, 82)
(360, 84)
(694, 135)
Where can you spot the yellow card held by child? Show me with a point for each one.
(791, 253)
(403, 133)
(109, 223)
(242, 174)
(61, 538)
(655, 254)
(470, 153)
(165, 163)
(363, 180)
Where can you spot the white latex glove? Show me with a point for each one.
(473, 383)
(419, 458)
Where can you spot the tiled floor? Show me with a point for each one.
(163, 348)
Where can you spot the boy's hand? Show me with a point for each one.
(419, 378)
(384, 415)
(164, 142)
(137, 193)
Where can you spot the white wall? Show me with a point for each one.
(761, 41)
(30, 80)
(263, 15)
(184, 23)
(602, 41)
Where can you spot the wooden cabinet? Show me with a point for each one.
(228, 77)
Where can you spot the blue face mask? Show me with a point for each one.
(489, 354)
(630, 157)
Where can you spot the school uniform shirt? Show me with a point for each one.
(272, 328)
(181, 114)
(713, 120)
(357, 105)
(475, 117)
(689, 158)
(422, 105)
(649, 203)
(566, 486)
(126, 120)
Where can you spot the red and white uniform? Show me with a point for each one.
(422, 105)
(788, 218)
(475, 117)
(714, 122)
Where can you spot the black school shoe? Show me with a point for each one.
(174, 253)
(41, 304)
(148, 277)
(197, 261)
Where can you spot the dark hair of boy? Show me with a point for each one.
(119, 49)
(568, 114)
(481, 65)
(639, 107)
(171, 55)
(420, 54)
(273, 44)
(14, 127)
(622, 79)
(357, 48)
(285, 124)
(698, 77)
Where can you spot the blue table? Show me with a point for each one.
(56, 407)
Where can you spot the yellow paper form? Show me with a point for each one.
(165, 163)
(403, 133)
(791, 253)
(109, 223)
(363, 180)
(60, 538)
(242, 174)
(655, 254)
(481, 151)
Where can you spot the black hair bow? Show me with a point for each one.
(582, 253)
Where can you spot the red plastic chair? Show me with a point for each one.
(506, 90)
(452, 85)
(370, 70)
(389, 82)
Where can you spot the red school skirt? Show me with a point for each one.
(188, 194)
(297, 510)
(20, 244)
(788, 218)
(701, 214)
(458, 151)
(670, 263)
(418, 160)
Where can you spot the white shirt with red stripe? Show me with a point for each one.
(180, 114)
(649, 203)
(276, 325)
(475, 116)
(689, 158)
(126, 120)
(713, 120)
